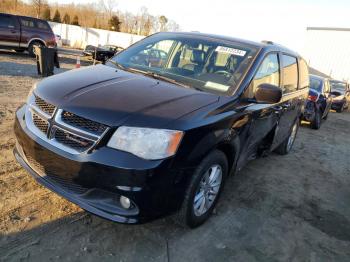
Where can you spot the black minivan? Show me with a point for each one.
(144, 136)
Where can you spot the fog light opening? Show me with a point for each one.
(125, 202)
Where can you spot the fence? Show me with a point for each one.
(79, 37)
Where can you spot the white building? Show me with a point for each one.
(328, 50)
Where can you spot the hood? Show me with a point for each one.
(115, 97)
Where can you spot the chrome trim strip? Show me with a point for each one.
(59, 121)
(9, 43)
(39, 112)
(55, 122)
(31, 126)
(53, 141)
(70, 132)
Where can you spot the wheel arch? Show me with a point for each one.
(36, 39)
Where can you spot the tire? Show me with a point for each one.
(326, 116)
(31, 49)
(189, 215)
(341, 109)
(316, 124)
(286, 146)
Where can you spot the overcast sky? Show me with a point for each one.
(281, 21)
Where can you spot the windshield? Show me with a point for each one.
(316, 84)
(338, 86)
(208, 65)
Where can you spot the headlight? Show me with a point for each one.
(147, 143)
(29, 97)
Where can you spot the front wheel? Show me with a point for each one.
(287, 144)
(203, 191)
(31, 48)
(341, 109)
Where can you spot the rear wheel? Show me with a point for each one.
(316, 124)
(326, 116)
(204, 190)
(31, 47)
(288, 143)
(341, 109)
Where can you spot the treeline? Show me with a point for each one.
(103, 15)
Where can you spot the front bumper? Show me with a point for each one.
(95, 181)
(336, 105)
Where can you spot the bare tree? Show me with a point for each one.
(108, 6)
(38, 5)
(163, 20)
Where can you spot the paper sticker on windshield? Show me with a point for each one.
(229, 50)
(216, 86)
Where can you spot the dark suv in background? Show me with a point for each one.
(138, 138)
(23, 33)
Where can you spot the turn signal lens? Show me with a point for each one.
(312, 98)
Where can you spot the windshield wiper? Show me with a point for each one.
(151, 74)
(164, 78)
(118, 65)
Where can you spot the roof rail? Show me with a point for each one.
(268, 42)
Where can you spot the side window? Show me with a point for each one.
(27, 23)
(290, 74)
(42, 25)
(268, 73)
(6, 22)
(303, 74)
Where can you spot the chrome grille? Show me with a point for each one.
(73, 141)
(44, 106)
(83, 123)
(40, 123)
(62, 129)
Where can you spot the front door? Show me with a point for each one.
(9, 31)
(263, 116)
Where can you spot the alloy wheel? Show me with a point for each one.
(208, 190)
(292, 136)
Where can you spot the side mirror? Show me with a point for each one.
(269, 94)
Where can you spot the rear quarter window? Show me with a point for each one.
(42, 25)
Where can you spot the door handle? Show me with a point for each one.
(13, 31)
(286, 106)
(277, 109)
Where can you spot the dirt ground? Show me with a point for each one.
(278, 208)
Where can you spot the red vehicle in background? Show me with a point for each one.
(23, 33)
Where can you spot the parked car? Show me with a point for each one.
(319, 101)
(341, 95)
(102, 53)
(23, 33)
(131, 142)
